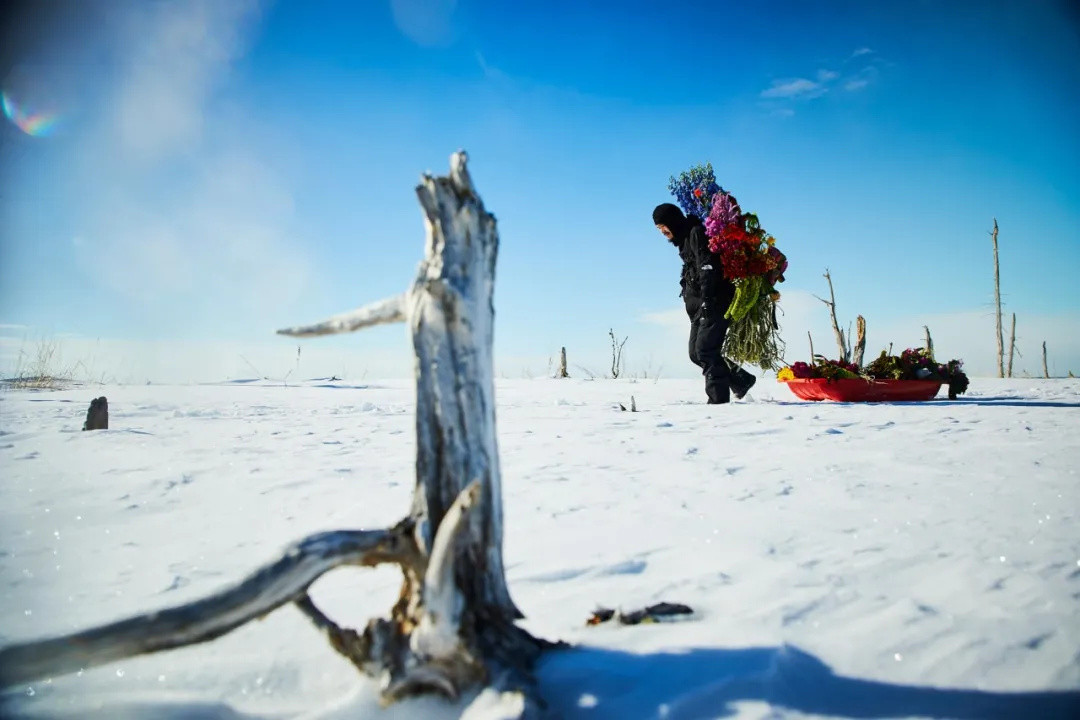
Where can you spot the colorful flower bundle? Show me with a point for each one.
(912, 364)
(750, 260)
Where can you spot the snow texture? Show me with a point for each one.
(843, 560)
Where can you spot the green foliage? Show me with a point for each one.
(754, 339)
(748, 293)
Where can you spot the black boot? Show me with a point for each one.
(741, 382)
(717, 389)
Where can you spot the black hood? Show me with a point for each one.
(679, 224)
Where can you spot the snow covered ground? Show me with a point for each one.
(843, 560)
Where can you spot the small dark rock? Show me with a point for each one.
(97, 417)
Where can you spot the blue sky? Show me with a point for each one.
(221, 169)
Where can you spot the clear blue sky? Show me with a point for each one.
(222, 169)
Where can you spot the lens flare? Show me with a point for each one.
(34, 124)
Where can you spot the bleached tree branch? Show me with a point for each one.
(391, 310)
(280, 582)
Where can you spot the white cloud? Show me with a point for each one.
(425, 22)
(825, 76)
(177, 54)
(797, 87)
(187, 218)
(670, 319)
(861, 51)
(862, 79)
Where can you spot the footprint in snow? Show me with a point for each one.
(629, 567)
(178, 582)
(1035, 642)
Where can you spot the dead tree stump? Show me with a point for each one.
(453, 626)
(860, 341)
(97, 417)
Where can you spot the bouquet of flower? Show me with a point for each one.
(918, 364)
(750, 259)
(912, 364)
(694, 190)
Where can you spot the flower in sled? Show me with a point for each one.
(911, 364)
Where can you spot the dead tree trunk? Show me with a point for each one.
(929, 342)
(811, 339)
(845, 353)
(561, 373)
(1012, 345)
(453, 626)
(1046, 372)
(997, 306)
(860, 341)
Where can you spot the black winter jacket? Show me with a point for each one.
(702, 278)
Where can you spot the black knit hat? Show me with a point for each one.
(669, 215)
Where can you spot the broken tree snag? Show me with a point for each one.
(453, 626)
(450, 315)
(929, 342)
(997, 305)
(1046, 373)
(831, 302)
(561, 372)
(860, 341)
(97, 416)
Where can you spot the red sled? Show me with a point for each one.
(856, 390)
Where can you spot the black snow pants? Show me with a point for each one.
(706, 351)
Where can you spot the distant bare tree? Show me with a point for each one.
(841, 344)
(1046, 372)
(1012, 345)
(616, 354)
(997, 305)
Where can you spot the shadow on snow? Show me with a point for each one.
(586, 682)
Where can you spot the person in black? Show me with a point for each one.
(706, 293)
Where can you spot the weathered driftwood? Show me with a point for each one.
(453, 625)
